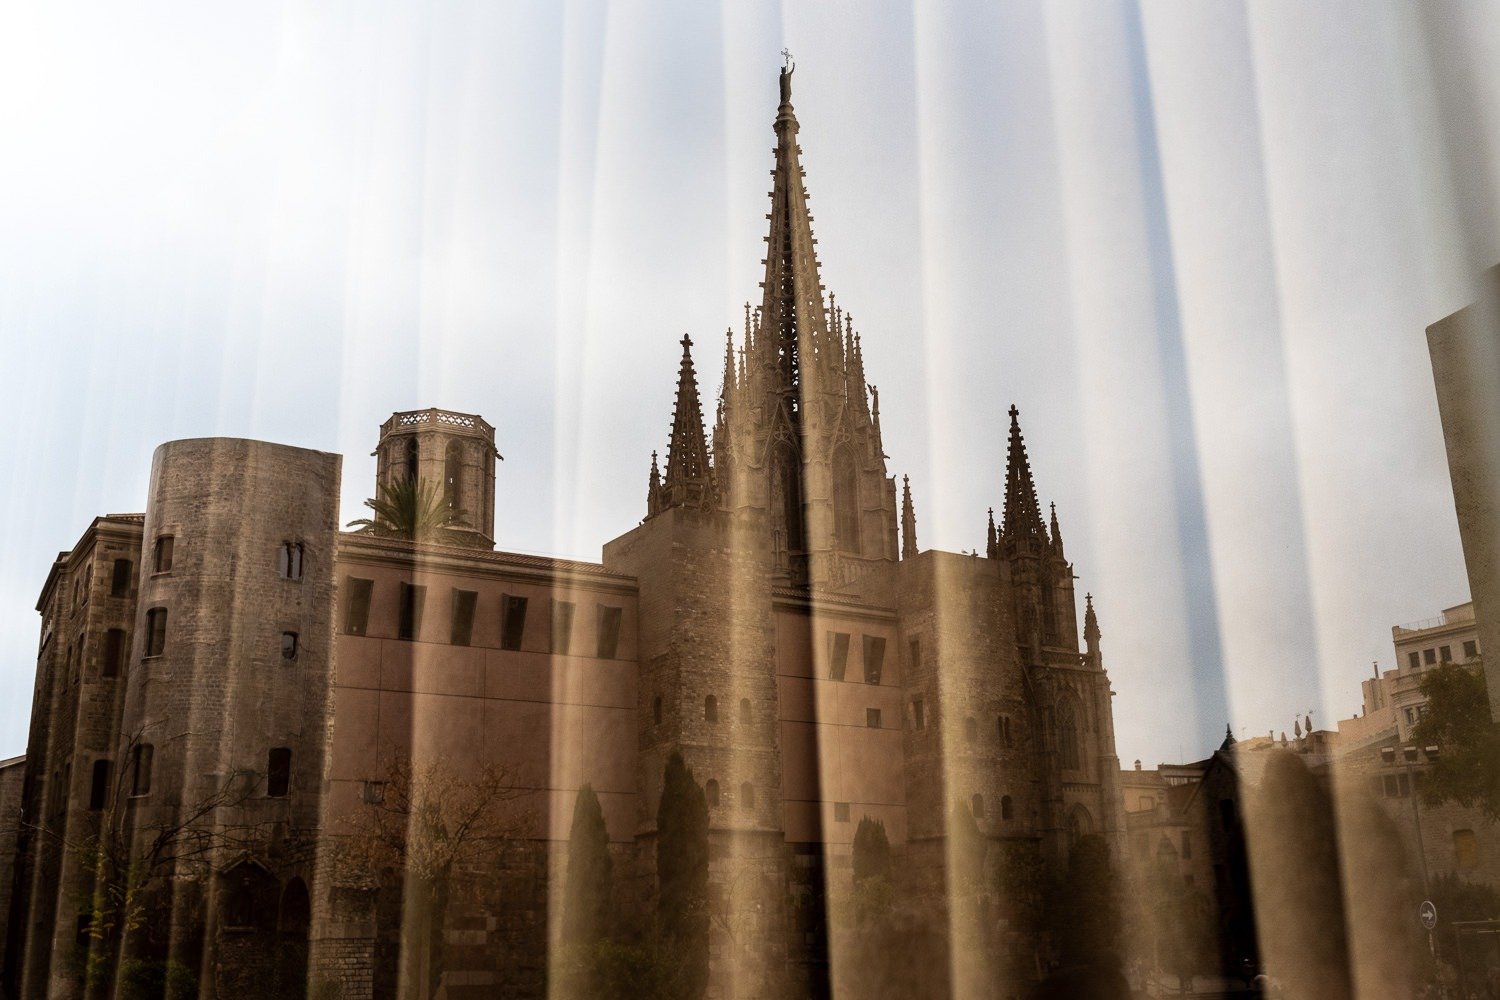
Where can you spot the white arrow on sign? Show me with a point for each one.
(1427, 914)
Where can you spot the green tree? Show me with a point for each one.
(873, 893)
(414, 509)
(588, 898)
(1458, 721)
(682, 873)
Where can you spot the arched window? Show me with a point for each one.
(1080, 825)
(1002, 729)
(711, 792)
(409, 466)
(711, 708)
(453, 474)
(747, 796)
(786, 503)
(1068, 736)
(239, 903)
(971, 730)
(1007, 808)
(978, 805)
(845, 501)
(656, 709)
(745, 711)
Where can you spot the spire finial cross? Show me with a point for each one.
(787, 61)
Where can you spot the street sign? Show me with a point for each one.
(1427, 914)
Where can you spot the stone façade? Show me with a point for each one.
(772, 619)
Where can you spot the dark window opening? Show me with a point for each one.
(357, 618)
(156, 631)
(1007, 808)
(562, 627)
(512, 621)
(464, 603)
(289, 561)
(1002, 729)
(711, 792)
(1445, 654)
(374, 793)
(453, 475)
(977, 803)
(114, 653)
(914, 654)
(278, 771)
(747, 796)
(838, 654)
(83, 930)
(413, 597)
(99, 785)
(745, 714)
(289, 645)
(119, 581)
(1414, 659)
(872, 718)
(409, 460)
(140, 769)
(609, 632)
(711, 709)
(1429, 656)
(918, 713)
(1068, 736)
(656, 709)
(1471, 649)
(163, 561)
(874, 658)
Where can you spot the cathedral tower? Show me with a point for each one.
(454, 452)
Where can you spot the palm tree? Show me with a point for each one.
(414, 509)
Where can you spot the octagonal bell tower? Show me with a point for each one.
(454, 450)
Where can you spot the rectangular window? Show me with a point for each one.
(874, 658)
(1429, 656)
(156, 631)
(1465, 849)
(357, 616)
(278, 771)
(289, 645)
(163, 561)
(918, 713)
(374, 793)
(838, 654)
(1403, 786)
(1445, 654)
(841, 812)
(412, 599)
(1414, 659)
(140, 769)
(114, 653)
(512, 621)
(609, 632)
(464, 602)
(99, 785)
(1471, 649)
(119, 581)
(872, 718)
(914, 654)
(1411, 717)
(289, 561)
(562, 627)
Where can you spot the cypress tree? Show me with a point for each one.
(682, 873)
(586, 905)
(872, 851)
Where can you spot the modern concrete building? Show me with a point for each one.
(231, 662)
(1465, 349)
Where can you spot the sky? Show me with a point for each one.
(1196, 244)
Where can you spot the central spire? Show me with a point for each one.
(793, 322)
(1022, 527)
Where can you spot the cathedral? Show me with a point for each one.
(225, 680)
